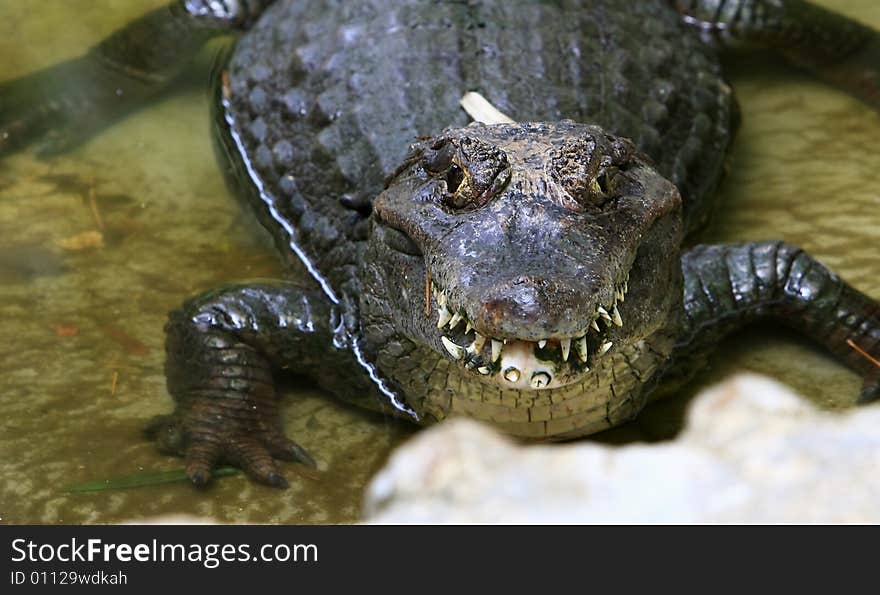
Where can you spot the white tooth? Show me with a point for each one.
(496, 349)
(483, 370)
(442, 299)
(540, 379)
(615, 317)
(479, 341)
(622, 297)
(580, 346)
(455, 320)
(445, 316)
(626, 285)
(542, 343)
(511, 374)
(468, 328)
(605, 347)
(603, 313)
(595, 326)
(454, 350)
(566, 347)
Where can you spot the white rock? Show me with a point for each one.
(752, 452)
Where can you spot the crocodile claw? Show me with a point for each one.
(205, 445)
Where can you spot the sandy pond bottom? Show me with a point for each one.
(98, 245)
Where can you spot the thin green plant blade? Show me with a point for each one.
(145, 478)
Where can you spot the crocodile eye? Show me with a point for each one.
(472, 172)
(601, 187)
(439, 162)
(454, 178)
(589, 170)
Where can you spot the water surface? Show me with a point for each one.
(96, 246)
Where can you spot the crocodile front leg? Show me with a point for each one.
(65, 104)
(729, 285)
(836, 48)
(221, 349)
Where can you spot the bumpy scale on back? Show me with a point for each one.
(529, 274)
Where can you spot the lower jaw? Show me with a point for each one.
(590, 402)
(437, 388)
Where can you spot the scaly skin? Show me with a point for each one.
(728, 286)
(531, 275)
(837, 49)
(220, 347)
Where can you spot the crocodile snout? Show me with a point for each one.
(532, 308)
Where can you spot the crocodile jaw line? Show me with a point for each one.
(527, 365)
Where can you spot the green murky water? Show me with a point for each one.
(81, 352)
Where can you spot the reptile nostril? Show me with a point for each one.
(523, 306)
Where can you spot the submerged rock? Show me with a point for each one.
(752, 452)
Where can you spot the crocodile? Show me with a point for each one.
(536, 272)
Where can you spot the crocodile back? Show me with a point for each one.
(324, 97)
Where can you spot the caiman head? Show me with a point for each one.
(524, 253)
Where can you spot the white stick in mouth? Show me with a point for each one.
(479, 108)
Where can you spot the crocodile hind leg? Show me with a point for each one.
(221, 350)
(66, 104)
(729, 285)
(832, 46)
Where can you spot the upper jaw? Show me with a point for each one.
(517, 362)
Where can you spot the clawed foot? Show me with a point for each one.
(205, 445)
